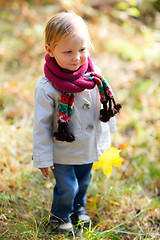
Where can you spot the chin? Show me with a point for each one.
(74, 68)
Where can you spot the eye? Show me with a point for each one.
(82, 49)
(68, 52)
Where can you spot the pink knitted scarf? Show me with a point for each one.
(70, 82)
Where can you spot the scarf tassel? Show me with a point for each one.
(107, 99)
(107, 111)
(63, 133)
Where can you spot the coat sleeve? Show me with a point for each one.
(112, 124)
(43, 127)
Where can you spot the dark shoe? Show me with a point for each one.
(63, 226)
(80, 216)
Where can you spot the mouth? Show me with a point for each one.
(75, 64)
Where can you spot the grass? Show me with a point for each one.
(125, 206)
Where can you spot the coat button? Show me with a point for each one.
(89, 127)
(86, 106)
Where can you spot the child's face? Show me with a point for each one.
(71, 53)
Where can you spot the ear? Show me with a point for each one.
(49, 50)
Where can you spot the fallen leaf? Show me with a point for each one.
(108, 159)
(14, 170)
(114, 203)
(123, 145)
(12, 184)
(24, 180)
(93, 200)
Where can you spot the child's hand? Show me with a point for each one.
(45, 171)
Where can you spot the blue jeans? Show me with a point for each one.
(70, 190)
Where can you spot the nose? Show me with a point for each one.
(76, 57)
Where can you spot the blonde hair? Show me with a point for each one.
(63, 25)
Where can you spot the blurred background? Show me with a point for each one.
(126, 39)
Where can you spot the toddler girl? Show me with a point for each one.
(72, 119)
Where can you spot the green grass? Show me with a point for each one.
(125, 206)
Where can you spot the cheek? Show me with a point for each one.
(84, 57)
(60, 61)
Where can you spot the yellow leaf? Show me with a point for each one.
(107, 170)
(96, 165)
(117, 162)
(108, 159)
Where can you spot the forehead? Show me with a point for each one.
(76, 40)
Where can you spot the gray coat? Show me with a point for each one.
(92, 137)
